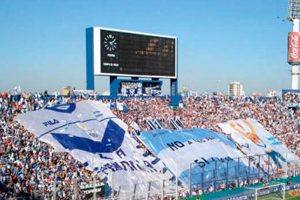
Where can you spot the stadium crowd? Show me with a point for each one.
(207, 111)
(292, 97)
(28, 165)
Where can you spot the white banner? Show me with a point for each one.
(208, 154)
(93, 135)
(254, 139)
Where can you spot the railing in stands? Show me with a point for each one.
(151, 124)
(179, 122)
(175, 125)
(158, 123)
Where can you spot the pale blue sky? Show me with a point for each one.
(42, 42)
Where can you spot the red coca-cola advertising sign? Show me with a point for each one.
(294, 48)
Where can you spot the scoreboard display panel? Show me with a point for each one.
(124, 53)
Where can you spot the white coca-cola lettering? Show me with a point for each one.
(294, 46)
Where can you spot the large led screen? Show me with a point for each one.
(136, 54)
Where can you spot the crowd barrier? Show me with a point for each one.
(259, 170)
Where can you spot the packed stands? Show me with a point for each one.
(207, 111)
(30, 167)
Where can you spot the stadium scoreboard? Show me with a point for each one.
(134, 54)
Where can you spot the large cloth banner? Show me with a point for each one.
(254, 139)
(196, 156)
(94, 136)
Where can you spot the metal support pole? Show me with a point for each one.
(119, 190)
(54, 189)
(190, 177)
(269, 168)
(248, 174)
(94, 186)
(238, 172)
(215, 176)
(148, 192)
(75, 189)
(176, 174)
(162, 189)
(256, 194)
(227, 174)
(134, 191)
(258, 173)
(202, 179)
(176, 187)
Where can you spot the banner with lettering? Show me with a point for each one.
(254, 139)
(90, 132)
(197, 156)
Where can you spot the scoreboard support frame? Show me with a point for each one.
(90, 79)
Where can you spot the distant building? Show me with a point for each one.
(257, 94)
(272, 93)
(236, 89)
(65, 91)
(186, 92)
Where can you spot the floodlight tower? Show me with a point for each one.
(294, 41)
